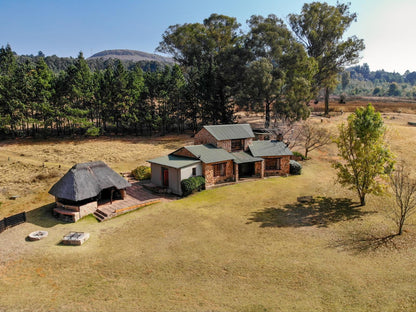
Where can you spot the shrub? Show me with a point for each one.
(142, 173)
(343, 98)
(93, 131)
(299, 155)
(192, 185)
(295, 167)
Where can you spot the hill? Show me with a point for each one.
(131, 55)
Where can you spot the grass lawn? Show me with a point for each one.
(247, 247)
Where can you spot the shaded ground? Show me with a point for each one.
(322, 212)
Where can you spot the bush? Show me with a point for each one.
(142, 173)
(93, 131)
(343, 98)
(299, 155)
(295, 167)
(192, 185)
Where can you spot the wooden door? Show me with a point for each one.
(165, 176)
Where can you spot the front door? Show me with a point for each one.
(165, 176)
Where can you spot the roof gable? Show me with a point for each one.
(87, 180)
(208, 153)
(174, 161)
(269, 148)
(230, 132)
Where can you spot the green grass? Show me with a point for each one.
(243, 247)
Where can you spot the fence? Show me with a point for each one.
(12, 221)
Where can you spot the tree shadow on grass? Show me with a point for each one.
(320, 212)
(43, 217)
(362, 242)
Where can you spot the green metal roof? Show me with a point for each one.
(209, 153)
(230, 132)
(269, 148)
(243, 158)
(174, 161)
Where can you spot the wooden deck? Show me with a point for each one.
(137, 196)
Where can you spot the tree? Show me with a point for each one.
(312, 136)
(366, 158)
(403, 187)
(262, 86)
(320, 27)
(394, 89)
(279, 73)
(345, 79)
(212, 48)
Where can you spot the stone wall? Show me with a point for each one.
(284, 166)
(247, 142)
(204, 137)
(259, 168)
(184, 152)
(226, 144)
(87, 209)
(208, 172)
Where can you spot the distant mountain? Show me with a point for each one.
(131, 55)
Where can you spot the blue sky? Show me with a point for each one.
(65, 27)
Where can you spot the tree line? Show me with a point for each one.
(361, 81)
(273, 68)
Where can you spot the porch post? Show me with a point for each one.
(236, 172)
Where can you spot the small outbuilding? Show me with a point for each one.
(84, 187)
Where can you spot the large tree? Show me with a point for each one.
(320, 27)
(280, 71)
(213, 50)
(365, 157)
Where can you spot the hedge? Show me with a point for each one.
(192, 184)
(295, 167)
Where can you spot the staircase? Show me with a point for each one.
(103, 213)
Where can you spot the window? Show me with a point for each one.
(272, 163)
(236, 145)
(194, 171)
(219, 170)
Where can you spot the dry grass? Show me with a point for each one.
(385, 105)
(29, 169)
(244, 247)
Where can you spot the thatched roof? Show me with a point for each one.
(87, 180)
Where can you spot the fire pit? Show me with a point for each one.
(37, 235)
(75, 238)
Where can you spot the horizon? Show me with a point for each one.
(66, 28)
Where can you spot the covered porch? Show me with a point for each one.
(247, 166)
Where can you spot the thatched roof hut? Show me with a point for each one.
(87, 180)
(84, 187)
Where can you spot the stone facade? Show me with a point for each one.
(183, 152)
(284, 166)
(74, 213)
(208, 171)
(259, 169)
(204, 137)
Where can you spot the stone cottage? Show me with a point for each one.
(222, 153)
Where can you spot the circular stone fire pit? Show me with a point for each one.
(37, 235)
